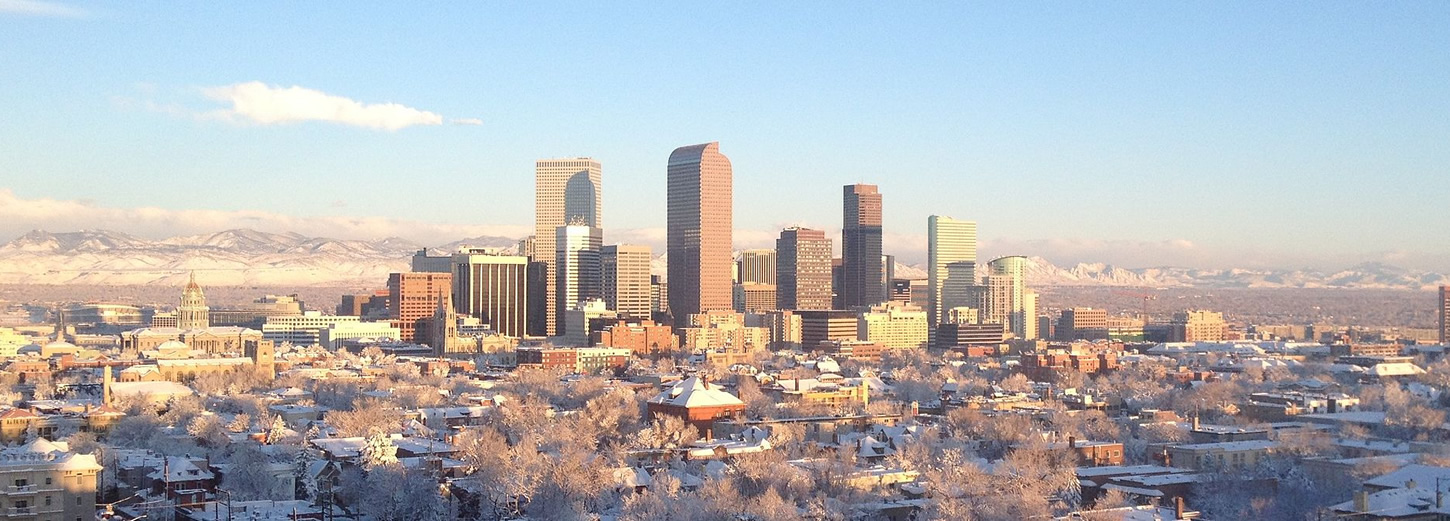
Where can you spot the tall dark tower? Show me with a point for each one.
(862, 283)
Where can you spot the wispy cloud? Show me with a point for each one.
(41, 8)
(19, 215)
(263, 104)
(466, 121)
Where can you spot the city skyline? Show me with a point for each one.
(1261, 124)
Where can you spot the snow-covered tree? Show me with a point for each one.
(303, 479)
(378, 451)
(241, 423)
(276, 430)
(248, 476)
(208, 431)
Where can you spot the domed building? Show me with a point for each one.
(59, 347)
(193, 312)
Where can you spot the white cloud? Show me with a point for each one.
(264, 104)
(19, 215)
(41, 8)
(466, 121)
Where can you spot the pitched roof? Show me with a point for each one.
(16, 414)
(1420, 474)
(695, 392)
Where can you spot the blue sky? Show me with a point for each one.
(1214, 134)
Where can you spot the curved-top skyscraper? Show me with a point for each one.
(699, 230)
(566, 190)
(1008, 299)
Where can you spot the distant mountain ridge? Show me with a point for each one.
(232, 257)
(244, 257)
(1371, 275)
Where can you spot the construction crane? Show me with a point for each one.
(1144, 296)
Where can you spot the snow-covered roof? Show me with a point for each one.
(1239, 348)
(140, 370)
(1420, 474)
(695, 392)
(1395, 369)
(180, 469)
(1229, 446)
(154, 389)
(1124, 470)
(1361, 417)
(48, 453)
(706, 450)
(632, 477)
(1398, 503)
(185, 362)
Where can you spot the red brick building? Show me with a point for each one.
(642, 338)
(698, 403)
(1043, 366)
(1092, 453)
(413, 299)
(584, 360)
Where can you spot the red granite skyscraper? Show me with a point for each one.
(698, 246)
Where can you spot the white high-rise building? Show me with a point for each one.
(576, 256)
(566, 191)
(951, 264)
(894, 325)
(625, 270)
(1008, 300)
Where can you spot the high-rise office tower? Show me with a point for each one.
(536, 280)
(413, 300)
(193, 312)
(576, 259)
(803, 269)
(757, 266)
(659, 296)
(951, 264)
(493, 288)
(565, 191)
(1008, 299)
(888, 274)
(625, 270)
(699, 230)
(1445, 314)
(862, 282)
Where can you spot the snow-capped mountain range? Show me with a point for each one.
(228, 258)
(253, 258)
